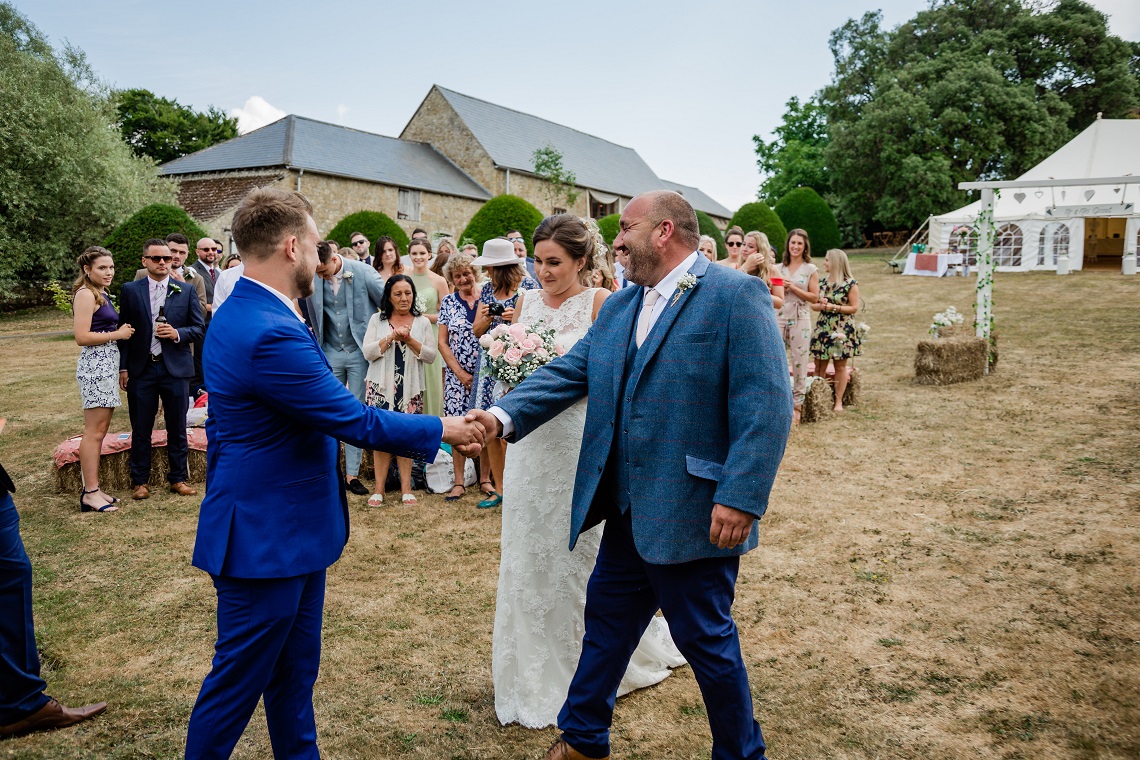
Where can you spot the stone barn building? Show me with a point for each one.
(455, 153)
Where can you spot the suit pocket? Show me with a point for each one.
(701, 337)
(703, 468)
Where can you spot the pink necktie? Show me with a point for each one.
(645, 319)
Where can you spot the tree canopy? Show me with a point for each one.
(965, 90)
(66, 179)
(164, 129)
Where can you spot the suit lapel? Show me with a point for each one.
(674, 304)
(620, 347)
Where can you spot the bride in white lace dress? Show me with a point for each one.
(539, 610)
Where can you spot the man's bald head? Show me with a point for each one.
(666, 204)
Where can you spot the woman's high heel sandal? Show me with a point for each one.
(85, 507)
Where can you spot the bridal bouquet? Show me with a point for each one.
(514, 351)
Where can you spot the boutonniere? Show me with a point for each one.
(174, 288)
(188, 273)
(347, 275)
(686, 282)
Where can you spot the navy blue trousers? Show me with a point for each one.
(696, 598)
(269, 644)
(21, 688)
(143, 393)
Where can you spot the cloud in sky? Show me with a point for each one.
(256, 113)
(341, 112)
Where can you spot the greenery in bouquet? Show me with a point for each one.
(514, 351)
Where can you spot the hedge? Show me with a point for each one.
(500, 215)
(608, 226)
(758, 216)
(804, 208)
(708, 227)
(154, 221)
(371, 224)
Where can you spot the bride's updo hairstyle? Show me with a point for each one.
(578, 237)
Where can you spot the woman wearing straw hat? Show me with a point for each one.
(497, 305)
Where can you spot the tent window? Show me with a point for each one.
(1054, 243)
(964, 240)
(1007, 251)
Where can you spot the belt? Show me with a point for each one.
(156, 358)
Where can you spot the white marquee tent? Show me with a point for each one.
(1034, 226)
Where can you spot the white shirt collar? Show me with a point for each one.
(163, 283)
(340, 271)
(669, 282)
(281, 296)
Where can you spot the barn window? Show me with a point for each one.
(408, 205)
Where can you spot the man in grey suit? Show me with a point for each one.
(207, 266)
(690, 409)
(346, 294)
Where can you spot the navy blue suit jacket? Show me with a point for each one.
(275, 505)
(182, 312)
(707, 412)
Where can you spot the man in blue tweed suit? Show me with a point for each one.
(689, 411)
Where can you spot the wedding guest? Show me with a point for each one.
(387, 260)
(360, 245)
(757, 256)
(179, 250)
(601, 276)
(419, 232)
(155, 363)
(226, 281)
(24, 707)
(398, 344)
(444, 250)
(835, 338)
(734, 242)
(801, 290)
(406, 259)
(345, 294)
(432, 289)
(207, 250)
(231, 261)
(460, 351)
(97, 329)
(497, 302)
(707, 246)
(519, 243)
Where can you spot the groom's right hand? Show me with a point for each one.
(464, 433)
(489, 422)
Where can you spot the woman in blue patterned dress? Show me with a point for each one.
(836, 337)
(460, 351)
(496, 306)
(97, 329)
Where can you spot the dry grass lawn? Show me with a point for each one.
(944, 571)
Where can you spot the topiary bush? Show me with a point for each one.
(708, 227)
(154, 221)
(371, 224)
(758, 216)
(608, 226)
(500, 214)
(804, 208)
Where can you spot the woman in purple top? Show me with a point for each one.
(96, 330)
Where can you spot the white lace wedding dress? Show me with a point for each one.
(539, 610)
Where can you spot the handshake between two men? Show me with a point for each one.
(468, 434)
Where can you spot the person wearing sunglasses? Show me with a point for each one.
(359, 245)
(734, 242)
(516, 239)
(155, 363)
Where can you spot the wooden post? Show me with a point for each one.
(985, 286)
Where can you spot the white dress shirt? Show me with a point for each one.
(225, 285)
(665, 287)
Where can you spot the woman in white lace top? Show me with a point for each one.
(539, 609)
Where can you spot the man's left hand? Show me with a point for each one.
(730, 527)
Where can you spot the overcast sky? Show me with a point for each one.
(686, 84)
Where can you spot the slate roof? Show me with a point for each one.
(300, 143)
(698, 199)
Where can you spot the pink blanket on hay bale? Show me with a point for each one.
(68, 451)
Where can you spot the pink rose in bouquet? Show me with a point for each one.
(518, 332)
(529, 344)
(558, 349)
(496, 350)
(513, 355)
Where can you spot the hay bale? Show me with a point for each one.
(115, 471)
(819, 401)
(854, 389)
(945, 361)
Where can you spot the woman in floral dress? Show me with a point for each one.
(836, 337)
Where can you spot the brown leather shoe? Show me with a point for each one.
(182, 489)
(140, 492)
(52, 715)
(560, 750)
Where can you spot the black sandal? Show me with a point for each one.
(85, 507)
(492, 492)
(449, 497)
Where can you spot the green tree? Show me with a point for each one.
(760, 217)
(559, 181)
(154, 221)
(500, 215)
(66, 179)
(795, 156)
(164, 129)
(371, 224)
(805, 209)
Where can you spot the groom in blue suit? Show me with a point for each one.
(689, 411)
(275, 516)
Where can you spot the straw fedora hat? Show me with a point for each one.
(498, 252)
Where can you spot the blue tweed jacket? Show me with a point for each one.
(707, 413)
